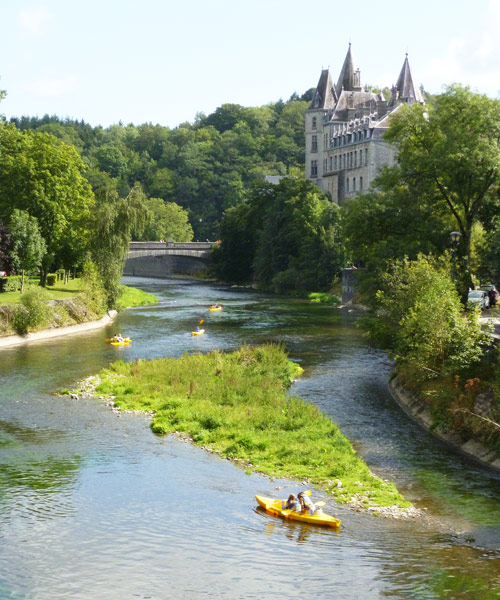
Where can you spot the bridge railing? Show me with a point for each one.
(178, 245)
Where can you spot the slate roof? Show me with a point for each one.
(346, 77)
(406, 90)
(325, 95)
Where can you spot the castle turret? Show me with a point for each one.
(405, 90)
(324, 101)
(350, 77)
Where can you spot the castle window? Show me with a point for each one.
(314, 123)
(331, 162)
(360, 184)
(347, 185)
(314, 143)
(354, 184)
(335, 163)
(366, 156)
(355, 158)
(325, 165)
(314, 168)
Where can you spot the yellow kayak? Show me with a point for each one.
(214, 308)
(199, 332)
(123, 343)
(275, 508)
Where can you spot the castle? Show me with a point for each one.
(344, 125)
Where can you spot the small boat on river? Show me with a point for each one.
(275, 508)
(123, 342)
(198, 332)
(215, 307)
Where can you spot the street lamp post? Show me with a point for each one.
(455, 238)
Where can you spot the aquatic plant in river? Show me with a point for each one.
(236, 404)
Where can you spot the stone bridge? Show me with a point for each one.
(161, 259)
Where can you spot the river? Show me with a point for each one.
(93, 505)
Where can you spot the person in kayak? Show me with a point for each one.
(119, 338)
(306, 506)
(291, 503)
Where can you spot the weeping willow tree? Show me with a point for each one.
(113, 222)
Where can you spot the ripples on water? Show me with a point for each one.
(94, 506)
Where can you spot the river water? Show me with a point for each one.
(93, 505)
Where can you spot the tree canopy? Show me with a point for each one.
(44, 177)
(449, 155)
(202, 167)
(284, 237)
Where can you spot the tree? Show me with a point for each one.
(28, 245)
(420, 319)
(165, 221)
(45, 177)
(299, 245)
(285, 237)
(239, 231)
(113, 221)
(5, 248)
(449, 154)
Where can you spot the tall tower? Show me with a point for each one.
(323, 102)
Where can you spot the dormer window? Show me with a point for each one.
(314, 122)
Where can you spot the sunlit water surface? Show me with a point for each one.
(93, 505)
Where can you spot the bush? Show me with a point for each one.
(51, 279)
(33, 312)
(11, 284)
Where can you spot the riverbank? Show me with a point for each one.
(129, 298)
(418, 410)
(235, 405)
(46, 334)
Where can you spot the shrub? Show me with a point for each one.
(51, 279)
(33, 312)
(11, 284)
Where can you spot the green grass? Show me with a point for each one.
(323, 297)
(236, 404)
(56, 292)
(130, 297)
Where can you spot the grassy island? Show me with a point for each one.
(236, 404)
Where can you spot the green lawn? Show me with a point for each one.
(60, 290)
(129, 296)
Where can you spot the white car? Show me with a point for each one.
(479, 298)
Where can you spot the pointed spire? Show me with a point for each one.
(324, 96)
(349, 76)
(405, 89)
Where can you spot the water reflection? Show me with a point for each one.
(93, 505)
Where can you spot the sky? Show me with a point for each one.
(163, 62)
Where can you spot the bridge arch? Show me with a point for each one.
(161, 259)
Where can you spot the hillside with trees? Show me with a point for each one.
(203, 167)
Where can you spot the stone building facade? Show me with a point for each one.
(343, 128)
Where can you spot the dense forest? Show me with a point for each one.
(203, 167)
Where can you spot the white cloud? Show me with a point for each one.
(52, 87)
(34, 20)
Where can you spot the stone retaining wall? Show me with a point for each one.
(417, 409)
(45, 334)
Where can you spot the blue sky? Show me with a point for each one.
(157, 61)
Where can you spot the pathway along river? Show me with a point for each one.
(93, 505)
